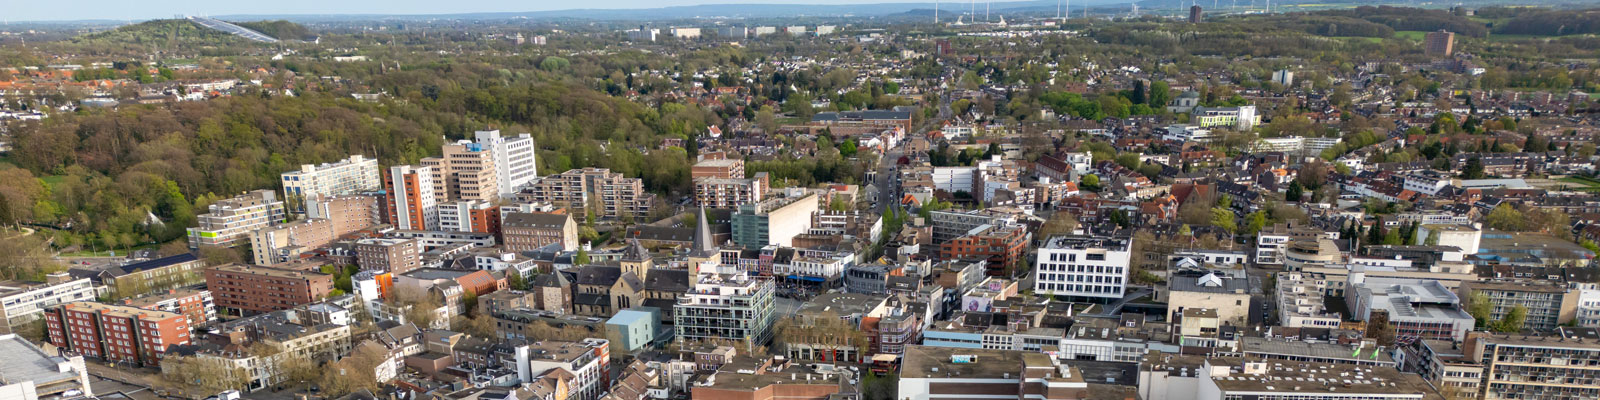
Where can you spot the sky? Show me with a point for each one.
(71, 10)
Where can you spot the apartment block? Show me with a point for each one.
(579, 189)
(1549, 304)
(413, 203)
(230, 221)
(1083, 266)
(735, 308)
(196, 304)
(730, 192)
(1416, 308)
(466, 171)
(115, 333)
(516, 159)
(24, 301)
(469, 216)
(1000, 245)
(585, 365)
(531, 231)
(1557, 366)
(283, 243)
(1441, 43)
(388, 254)
(716, 165)
(348, 176)
(349, 213)
(150, 276)
(249, 290)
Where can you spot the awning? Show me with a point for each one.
(808, 278)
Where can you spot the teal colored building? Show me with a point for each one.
(633, 329)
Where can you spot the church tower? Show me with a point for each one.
(636, 260)
(705, 255)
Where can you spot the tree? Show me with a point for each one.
(1473, 169)
(481, 325)
(1254, 222)
(1223, 218)
(353, 373)
(1506, 218)
(200, 377)
(1294, 193)
(1511, 322)
(1479, 307)
(1089, 182)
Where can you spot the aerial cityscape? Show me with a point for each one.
(780, 200)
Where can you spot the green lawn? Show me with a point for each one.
(53, 180)
(1410, 35)
(1582, 184)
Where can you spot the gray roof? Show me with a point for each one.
(26, 362)
(536, 220)
(1192, 284)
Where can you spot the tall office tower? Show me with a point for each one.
(412, 201)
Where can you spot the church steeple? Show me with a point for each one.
(705, 250)
(703, 247)
(636, 260)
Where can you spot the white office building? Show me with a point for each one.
(1084, 266)
(515, 159)
(1188, 133)
(348, 176)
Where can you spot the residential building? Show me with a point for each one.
(1444, 364)
(285, 242)
(1300, 301)
(1002, 246)
(244, 289)
(151, 276)
(950, 224)
(531, 231)
(730, 192)
(1440, 43)
(587, 364)
(469, 216)
(1241, 118)
(32, 374)
(1548, 304)
(389, 255)
(231, 220)
(289, 331)
(716, 165)
(1517, 366)
(476, 282)
(115, 333)
(1196, 14)
(613, 195)
(22, 302)
(466, 171)
(634, 329)
(949, 373)
(733, 307)
(348, 213)
(1283, 77)
(351, 175)
(1188, 133)
(774, 221)
(515, 159)
(875, 119)
(413, 202)
(195, 304)
(1083, 266)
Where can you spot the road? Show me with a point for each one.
(886, 176)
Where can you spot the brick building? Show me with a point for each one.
(531, 231)
(244, 289)
(115, 333)
(1000, 245)
(388, 254)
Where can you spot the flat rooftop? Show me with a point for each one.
(1311, 378)
(26, 362)
(841, 304)
(1256, 345)
(936, 362)
(119, 311)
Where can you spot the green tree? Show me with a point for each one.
(1473, 169)
(1294, 193)
(1089, 183)
(1223, 218)
(1506, 218)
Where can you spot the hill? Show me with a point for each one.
(280, 29)
(161, 32)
